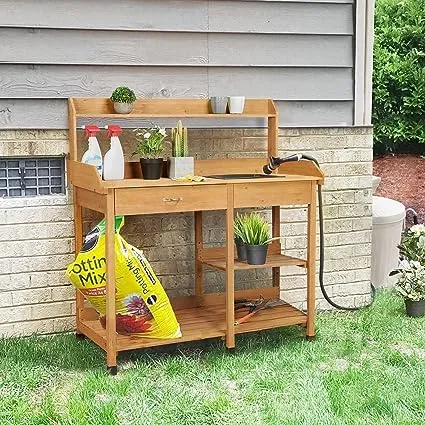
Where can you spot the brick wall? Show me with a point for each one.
(36, 233)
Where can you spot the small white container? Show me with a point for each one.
(181, 166)
(236, 104)
(113, 164)
(123, 108)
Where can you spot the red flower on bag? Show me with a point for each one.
(129, 324)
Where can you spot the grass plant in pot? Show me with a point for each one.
(240, 244)
(181, 164)
(411, 273)
(123, 99)
(255, 234)
(150, 146)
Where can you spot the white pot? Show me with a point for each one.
(123, 108)
(236, 104)
(181, 166)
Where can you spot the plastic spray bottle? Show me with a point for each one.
(93, 155)
(113, 165)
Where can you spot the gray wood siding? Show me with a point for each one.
(298, 52)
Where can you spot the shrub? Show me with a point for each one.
(123, 95)
(399, 76)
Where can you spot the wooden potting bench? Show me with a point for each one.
(201, 316)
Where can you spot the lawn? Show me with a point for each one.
(363, 368)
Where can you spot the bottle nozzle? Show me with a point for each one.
(113, 130)
(91, 130)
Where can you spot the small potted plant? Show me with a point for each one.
(123, 99)
(181, 163)
(411, 273)
(255, 234)
(411, 286)
(150, 146)
(240, 244)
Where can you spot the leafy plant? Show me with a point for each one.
(399, 76)
(412, 246)
(150, 142)
(123, 95)
(252, 229)
(411, 280)
(179, 141)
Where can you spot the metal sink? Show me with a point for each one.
(243, 176)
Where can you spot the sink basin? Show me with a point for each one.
(243, 176)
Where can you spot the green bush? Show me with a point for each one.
(399, 76)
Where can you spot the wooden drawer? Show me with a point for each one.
(170, 199)
(272, 193)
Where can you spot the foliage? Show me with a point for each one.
(123, 95)
(399, 76)
(411, 280)
(252, 229)
(179, 141)
(150, 142)
(413, 244)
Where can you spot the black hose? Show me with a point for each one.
(322, 253)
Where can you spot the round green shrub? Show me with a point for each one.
(399, 76)
(123, 95)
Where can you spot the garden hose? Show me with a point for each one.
(274, 162)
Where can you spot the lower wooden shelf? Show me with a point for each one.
(201, 323)
(273, 260)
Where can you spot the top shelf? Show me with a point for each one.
(167, 108)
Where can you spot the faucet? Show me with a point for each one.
(275, 161)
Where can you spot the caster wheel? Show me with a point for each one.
(310, 337)
(79, 336)
(112, 370)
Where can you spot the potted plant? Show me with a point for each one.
(240, 244)
(255, 234)
(411, 273)
(181, 163)
(150, 146)
(123, 99)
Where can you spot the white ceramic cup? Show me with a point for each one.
(236, 104)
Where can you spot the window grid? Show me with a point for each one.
(32, 176)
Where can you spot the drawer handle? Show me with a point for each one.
(172, 199)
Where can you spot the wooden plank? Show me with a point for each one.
(170, 199)
(283, 50)
(311, 262)
(101, 47)
(275, 17)
(52, 114)
(50, 81)
(199, 287)
(287, 83)
(272, 193)
(89, 199)
(230, 270)
(104, 14)
(190, 49)
(211, 167)
(111, 336)
(84, 176)
(273, 260)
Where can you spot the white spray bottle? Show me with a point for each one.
(93, 155)
(113, 164)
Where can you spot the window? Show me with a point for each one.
(32, 176)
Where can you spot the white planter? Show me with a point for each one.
(123, 108)
(181, 166)
(236, 104)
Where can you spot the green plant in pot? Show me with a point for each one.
(150, 146)
(411, 273)
(254, 232)
(123, 99)
(181, 164)
(240, 244)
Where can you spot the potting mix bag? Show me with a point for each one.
(142, 306)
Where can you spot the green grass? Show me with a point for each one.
(363, 368)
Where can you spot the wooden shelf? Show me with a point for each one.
(273, 260)
(202, 323)
(159, 115)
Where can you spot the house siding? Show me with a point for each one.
(300, 53)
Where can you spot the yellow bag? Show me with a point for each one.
(142, 306)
